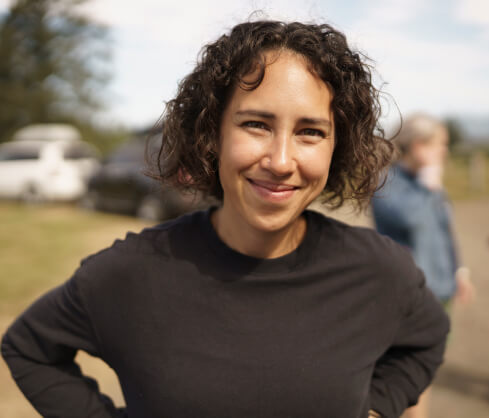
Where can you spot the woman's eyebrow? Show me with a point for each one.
(259, 113)
(316, 121)
(268, 115)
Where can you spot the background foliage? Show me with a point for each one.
(54, 67)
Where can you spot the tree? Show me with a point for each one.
(455, 133)
(53, 64)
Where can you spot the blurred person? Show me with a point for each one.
(257, 306)
(413, 209)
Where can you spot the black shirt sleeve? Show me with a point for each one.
(39, 349)
(409, 365)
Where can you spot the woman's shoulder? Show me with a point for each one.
(334, 229)
(155, 239)
(363, 252)
(134, 265)
(362, 245)
(147, 250)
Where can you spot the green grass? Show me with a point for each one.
(41, 246)
(458, 180)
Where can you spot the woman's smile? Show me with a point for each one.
(272, 192)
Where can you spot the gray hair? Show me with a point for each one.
(418, 127)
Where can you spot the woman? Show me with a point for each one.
(414, 211)
(257, 307)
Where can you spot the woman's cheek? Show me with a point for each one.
(315, 162)
(245, 152)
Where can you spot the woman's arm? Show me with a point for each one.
(409, 365)
(39, 349)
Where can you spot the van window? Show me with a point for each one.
(18, 154)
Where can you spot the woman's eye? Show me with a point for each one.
(313, 132)
(254, 124)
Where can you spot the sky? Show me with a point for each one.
(429, 55)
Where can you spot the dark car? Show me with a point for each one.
(120, 186)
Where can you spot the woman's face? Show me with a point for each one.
(276, 144)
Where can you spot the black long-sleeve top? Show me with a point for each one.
(194, 329)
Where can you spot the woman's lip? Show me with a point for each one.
(274, 187)
(272, 192)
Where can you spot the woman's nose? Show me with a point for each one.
(280, 158)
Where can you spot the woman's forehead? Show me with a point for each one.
(288, 87)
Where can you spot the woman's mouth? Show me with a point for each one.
(275, 192)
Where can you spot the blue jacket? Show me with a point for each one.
(420, 219)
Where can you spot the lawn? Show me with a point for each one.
(463, 180)
(41, 246)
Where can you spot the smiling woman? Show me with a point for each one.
(256, 307)
(275, 150)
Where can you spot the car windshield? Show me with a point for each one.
(19, 153)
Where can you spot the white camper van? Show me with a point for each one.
(46, 162)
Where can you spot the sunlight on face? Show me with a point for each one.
(276, 146)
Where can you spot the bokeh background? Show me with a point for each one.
(108, 66)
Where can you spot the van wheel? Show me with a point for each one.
(32, 195)
(151, 209)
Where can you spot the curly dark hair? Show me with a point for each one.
(188, 156)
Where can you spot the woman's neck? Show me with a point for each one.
(253, 242)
